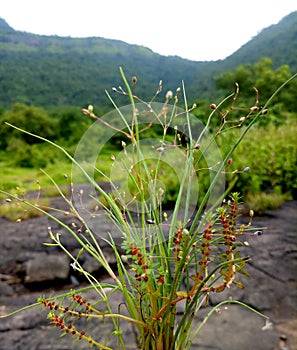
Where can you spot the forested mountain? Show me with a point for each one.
(51, 70)
(278, 42)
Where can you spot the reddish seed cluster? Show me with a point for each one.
(50, 304)
(59, 322)
(178, 241)
(233, 214)
(79, 299)
(205, 245)
(141, 274)
(161, 279)
(228, 224)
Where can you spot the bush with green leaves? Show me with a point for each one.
(270, 152)
(26, 116)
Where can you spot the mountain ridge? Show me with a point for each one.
(285, 31)
(53, 70)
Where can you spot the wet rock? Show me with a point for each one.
(43, 267)
(234, 327)
(5, 289)
(91, 265)
(271, 289)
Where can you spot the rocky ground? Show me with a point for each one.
(28, 269)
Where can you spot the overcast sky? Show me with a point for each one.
(197, 30)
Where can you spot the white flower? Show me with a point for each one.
(73, 266)
(268, 326)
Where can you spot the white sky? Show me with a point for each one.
(193, 29)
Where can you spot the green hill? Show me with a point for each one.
(51, 70)
(278, 42)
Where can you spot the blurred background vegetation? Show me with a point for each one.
(45, 81)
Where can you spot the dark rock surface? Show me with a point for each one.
(29, 269)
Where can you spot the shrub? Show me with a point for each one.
(22, 116)
(270, 153)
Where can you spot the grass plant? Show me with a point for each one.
(171, 258)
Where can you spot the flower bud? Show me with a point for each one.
(90, 108)
(264, 111)
(124, 259)
(258, 233)
(213, 106)
(169, 95)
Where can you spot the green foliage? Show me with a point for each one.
(18, 211)
(71, 124)
(266, 80)
(37, 119)
(277, 42)
(271, 154)
(261, 202)
(50, 70)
